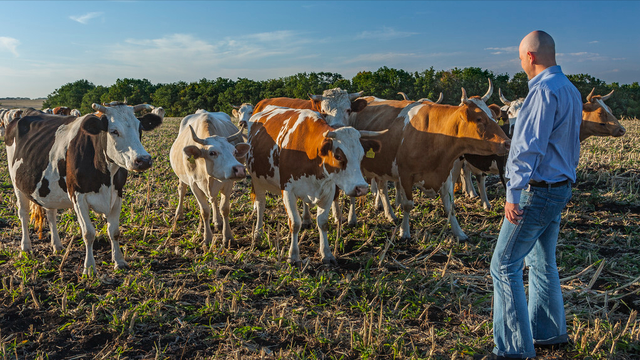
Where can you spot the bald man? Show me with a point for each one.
(541, 168)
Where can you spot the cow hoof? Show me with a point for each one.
(463, 238)
(391, 218)
(351, 223)
(330, 260)
(228, 243)
(90, 271)
(306, 225)
(121, 266)
(294, 262)
(487, 207)
(58, 248)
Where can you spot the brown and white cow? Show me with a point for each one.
(7, 116)
(75, 112)
(335, 105)
(81, 162)
(204, 156)
(296, 153)
(62, 110)
(422, 144)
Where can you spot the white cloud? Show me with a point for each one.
(379, 57)
(386, 33)
(594, 42)
(583, 56)
(9, 44)
(502, 50)
(84, 19)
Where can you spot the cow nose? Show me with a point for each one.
(507, 144)
(621, 131)
(142, 163)
(362, 190)
(239, 172)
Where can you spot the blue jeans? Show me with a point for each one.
(516, 326)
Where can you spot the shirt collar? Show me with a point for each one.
(548, 71)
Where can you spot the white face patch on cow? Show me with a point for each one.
(481, 104)
(218, 157)
(336, 106)
(604, 106)
(348, 140)
(123, 139)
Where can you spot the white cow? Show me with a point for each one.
(205, 156)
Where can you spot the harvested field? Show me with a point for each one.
(21, 103)
(428, 298)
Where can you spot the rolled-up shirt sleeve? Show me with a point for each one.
(530, 140)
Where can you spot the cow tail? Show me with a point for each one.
(37, 218)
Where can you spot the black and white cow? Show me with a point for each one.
(81, 162)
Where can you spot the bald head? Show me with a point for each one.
(537, 52)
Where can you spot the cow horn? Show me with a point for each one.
(369, 133)
(404, 96)
(98, 107)
(440, 98)
(235, 107)
(355, 95)
(195, 137)
(329, 134)
(315, 97)
(605, 97)
(489, 92)
(140, 107)
(502, 98)
(464, 98)
(234, 136)
(590, 94)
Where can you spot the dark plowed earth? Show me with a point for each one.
(427, 297)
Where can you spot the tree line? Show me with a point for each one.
(182, 98)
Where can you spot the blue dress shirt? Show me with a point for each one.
(545, 144)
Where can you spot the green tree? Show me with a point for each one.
(69, 95)
(92, 96)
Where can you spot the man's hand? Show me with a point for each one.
(512, 212)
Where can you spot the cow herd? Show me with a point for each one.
(309, 150)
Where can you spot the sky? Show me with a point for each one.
(46, 44)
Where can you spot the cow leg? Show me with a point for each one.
(259, 202)
(467, 182)
(214, 188)
(113, 228)
(375, 190)
(23, 213)
(306, 216)
(88, 234)
(225, 205)
(407, 205)
(353, 217)
(323, 225)
(182, 190)
(446, 194)
(205, 213)
(383, 194)
(52, 218)
(295, 223)
(336, 209)
(482, 189)
(398, 200)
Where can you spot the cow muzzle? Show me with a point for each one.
(360, 190)
(620, 132)
(142, 163)
(238, 172)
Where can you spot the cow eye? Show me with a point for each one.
(338, 157)
(348, 111)
(213, 153)
(115, 132)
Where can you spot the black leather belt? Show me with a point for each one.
(548, 185)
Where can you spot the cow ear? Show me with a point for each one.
(93, 125)
(192, 151)
(327, 144)
(358, 105)
(242, 149)
(235, 113)
(150, 122)
(371, 144)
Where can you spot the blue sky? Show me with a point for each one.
(44, 45)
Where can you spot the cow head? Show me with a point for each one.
(62, 110)
(336, 105)
(7, 116)
(219, 156)
(476, 122)
(75, 112)
(513, 107)
(159, 111)
(123, 144)
(342, 151)
(242, 113)
(597, 118)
